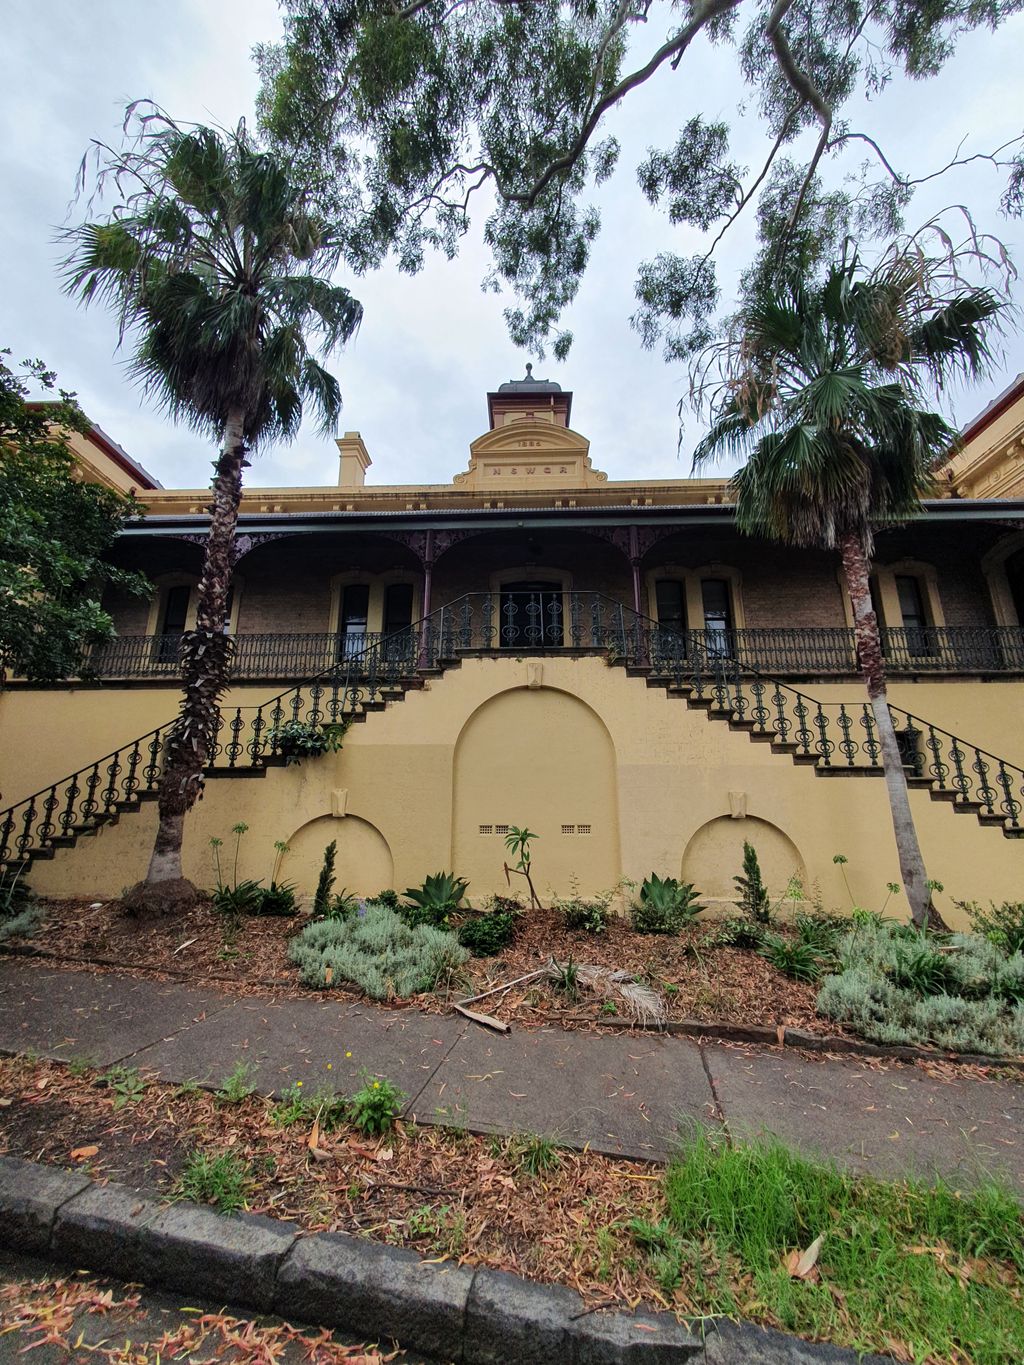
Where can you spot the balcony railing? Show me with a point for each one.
(552, 621)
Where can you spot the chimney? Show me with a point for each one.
(355, 460)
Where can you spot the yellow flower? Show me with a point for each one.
(376, 1085)
(348, 1054)
(329, 1065)
(298, 1083)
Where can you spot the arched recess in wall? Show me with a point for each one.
(363, 863)
(539, 757)
(1003, 567)
(714, 856)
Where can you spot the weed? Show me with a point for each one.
(606, 1252)
(534, 1154)
(80, 1066)
(567, 978)
(126, 1083)
(299, 1106)
(189, 1087)
(609, 1007)
(236, 1087)
(374, 1108)
(444, 1228)
(220, 1180)
(738, 933)
(244, 898)
(797, 960)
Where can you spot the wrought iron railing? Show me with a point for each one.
(254, 657)
(528, 622)
(704, 665)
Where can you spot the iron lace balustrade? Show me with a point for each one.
(264, 656)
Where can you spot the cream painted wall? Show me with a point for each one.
(543, 742)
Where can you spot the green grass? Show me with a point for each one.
(220, 1179)
(919, 1263)
(237, 1086)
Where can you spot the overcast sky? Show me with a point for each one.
(430, 347)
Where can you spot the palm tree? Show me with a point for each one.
(823, 387)
(219, 272)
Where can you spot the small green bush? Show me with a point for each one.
(376, 951)
(387, 897)
(342, 905)
(374, 1108)
(665, 905)
(820, 931)
(1002, 925)
(237, 1086)
(325, 882)
(588, 917)
(435, 901)
(488, 934)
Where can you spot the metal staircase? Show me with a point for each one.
(700, 667)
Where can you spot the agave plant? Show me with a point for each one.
(665, 905)
(432, 903)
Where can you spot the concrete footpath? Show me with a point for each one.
(621, 1094)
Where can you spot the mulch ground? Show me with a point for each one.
(696, 979)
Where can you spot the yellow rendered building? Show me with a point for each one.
(607, 662)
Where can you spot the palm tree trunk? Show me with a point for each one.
(869, 653)
(206, 656)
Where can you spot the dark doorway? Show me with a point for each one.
(530, 616)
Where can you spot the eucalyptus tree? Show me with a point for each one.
(219, 270)
(406, 115)
(823, 386)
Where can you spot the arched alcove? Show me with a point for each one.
(541, 758)
(714, 855)
(363, 863)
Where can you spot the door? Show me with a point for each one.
(398, 638)
(531, 616)
(355, 609)
(172, 624)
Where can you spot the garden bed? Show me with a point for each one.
(919, 1273)
(696, 980)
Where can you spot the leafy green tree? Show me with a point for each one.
(404, 115)
(823, 387)
(219, 272)
(54, 533)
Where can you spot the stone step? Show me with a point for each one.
(846, 771)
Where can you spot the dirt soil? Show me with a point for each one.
(697, 980)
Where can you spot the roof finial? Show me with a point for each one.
(529, 369)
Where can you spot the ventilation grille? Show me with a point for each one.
(486, 829)
(568, 829)
(501, 829)
(582, 829)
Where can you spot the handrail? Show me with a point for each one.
(826, 734)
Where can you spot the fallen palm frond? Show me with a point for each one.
(644, 1003)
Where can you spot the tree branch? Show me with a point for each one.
(674, 48)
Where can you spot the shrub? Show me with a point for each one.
(219, 1180)
(299, 739)
(388, 898)
(325, 884)
(377, 952)
(798, 960)
(895, 988)
(1002, 925)
(588, 917)
(665, 905)
(435, 901)
(739, 933)
(19, 913)
(489, 934)
(754, 900)
(374, 1109)
(278, 899)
